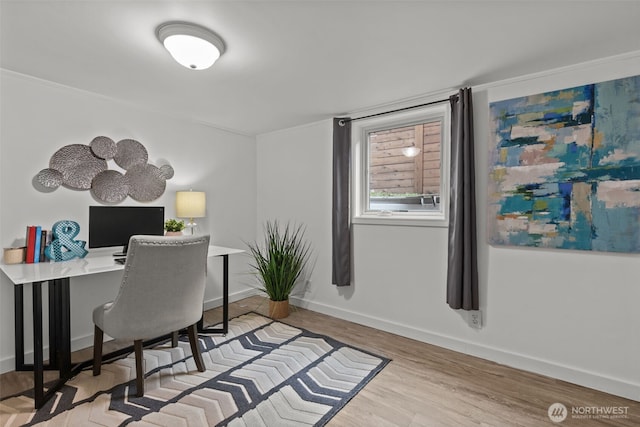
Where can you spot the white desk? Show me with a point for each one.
(45, 271)
(58, 275)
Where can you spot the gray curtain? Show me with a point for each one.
(341, 229)
(462, 272)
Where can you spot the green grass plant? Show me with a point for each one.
(281, 259)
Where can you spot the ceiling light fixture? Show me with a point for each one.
(191, 45)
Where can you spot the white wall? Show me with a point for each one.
(568, 314)
(39, 117)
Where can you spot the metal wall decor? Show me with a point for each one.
(104, 147)
(146, 182)
(85, 167)
(78, 165)
(130, 153)
(110, 186)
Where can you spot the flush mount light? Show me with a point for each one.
(191, 45)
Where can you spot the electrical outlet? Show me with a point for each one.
(475, 319)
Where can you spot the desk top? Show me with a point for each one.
(91, 264)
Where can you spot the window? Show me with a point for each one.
(401, 167)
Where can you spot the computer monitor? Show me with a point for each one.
(114, 225)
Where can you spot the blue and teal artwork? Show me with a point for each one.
(565, 169)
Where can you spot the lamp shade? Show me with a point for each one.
(190, 204)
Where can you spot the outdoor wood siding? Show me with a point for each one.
(392, 172)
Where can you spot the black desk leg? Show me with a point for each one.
(59, 333)
(53, 325)
(18, 292)
(225, 294)
(63, 327)
(38, 363)
(61, 347)
(225, 302)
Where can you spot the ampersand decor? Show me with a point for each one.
(63, 247)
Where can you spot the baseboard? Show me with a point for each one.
(236, 296)
(614, 386)
(9, 364)
(592, 380)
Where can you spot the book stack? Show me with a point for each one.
(37, 240)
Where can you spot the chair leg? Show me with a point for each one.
(137, 344)
(97, 350)
(174, 339)
(195, 348)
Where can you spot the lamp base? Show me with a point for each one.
(192, 225)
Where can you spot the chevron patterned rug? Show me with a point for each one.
(263, 373)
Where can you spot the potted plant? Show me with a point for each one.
(173, 227)
(279, 263)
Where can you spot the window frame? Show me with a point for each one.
(360, 167)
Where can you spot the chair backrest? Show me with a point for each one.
(162, 287)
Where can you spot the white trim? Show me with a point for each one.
(236, 296)
(403, 103)
(607, 61)
(616, 386)
(359, 166)
(404, 220)
(129, 104)
(325, 122)
(445, 93)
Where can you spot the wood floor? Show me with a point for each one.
(425, 385)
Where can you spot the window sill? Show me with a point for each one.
(401, 219)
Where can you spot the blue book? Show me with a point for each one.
(43, 245)
(36, 247)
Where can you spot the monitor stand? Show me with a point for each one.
(123, 253)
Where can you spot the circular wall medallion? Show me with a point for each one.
(78, 165)
(166, 171)
(145, 182)
(110, 186)
(103, 147)
(50, 178)
(130, 153)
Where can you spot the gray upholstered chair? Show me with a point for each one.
(162, 291)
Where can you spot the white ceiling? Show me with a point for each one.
(293, 62)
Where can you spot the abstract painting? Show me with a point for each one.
(565, 169)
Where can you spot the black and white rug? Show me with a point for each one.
(263, 373)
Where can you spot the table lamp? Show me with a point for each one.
(190, 204)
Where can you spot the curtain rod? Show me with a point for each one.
(440, 101)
